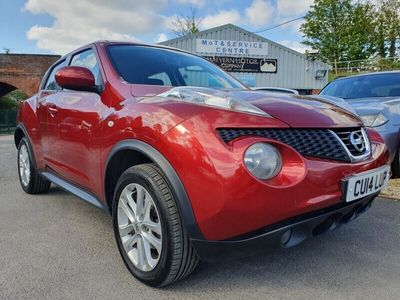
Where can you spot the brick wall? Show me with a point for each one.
(24, 71)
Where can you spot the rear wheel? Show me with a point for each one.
(148, 229)
(396, 165)
(31, 181)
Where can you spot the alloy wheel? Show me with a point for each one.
(24, 165)
(139, 227)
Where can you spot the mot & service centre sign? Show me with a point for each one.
(231, 48)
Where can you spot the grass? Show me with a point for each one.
(392, 190)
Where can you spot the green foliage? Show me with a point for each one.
(348, 30)
(339, 29)
(388, 27)
(388, 64)
(10, 101)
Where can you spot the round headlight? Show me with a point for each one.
(263, 160)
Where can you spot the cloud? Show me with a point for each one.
(198, 3)
(260, 12)
(293, 7)
(295, 45)
(161, 38)
(80, 22)
(221, 18)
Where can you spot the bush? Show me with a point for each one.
(10, 101)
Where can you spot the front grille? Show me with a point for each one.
(322, 143)
(344, 135)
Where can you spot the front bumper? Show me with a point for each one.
(284, 234)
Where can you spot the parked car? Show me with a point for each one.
(276, 90)
(376, 99)
(336, 101)
(189, 172)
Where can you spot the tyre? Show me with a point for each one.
(396, 165)
(148, 230)
(31, 181)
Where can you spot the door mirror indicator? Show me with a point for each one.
(76, 78)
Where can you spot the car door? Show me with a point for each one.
(46, 111)
(75, 151)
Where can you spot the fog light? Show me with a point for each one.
(263, 160)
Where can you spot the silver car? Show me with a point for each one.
(376, 99)
(276, 90)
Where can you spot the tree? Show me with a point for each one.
(187, 24)
(388, 29)
(340, 29)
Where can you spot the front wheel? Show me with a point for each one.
(31, 181)
(148, 229)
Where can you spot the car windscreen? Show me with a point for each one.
(157, 66)
(379, 85)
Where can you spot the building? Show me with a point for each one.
(255, 60)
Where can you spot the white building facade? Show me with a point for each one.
(255, 60)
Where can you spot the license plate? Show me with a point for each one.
(366, 183)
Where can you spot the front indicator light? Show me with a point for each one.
(263, 160)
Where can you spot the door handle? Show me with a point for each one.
(53, 109)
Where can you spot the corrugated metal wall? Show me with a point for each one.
(294, 70)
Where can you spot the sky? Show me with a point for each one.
(59, 26)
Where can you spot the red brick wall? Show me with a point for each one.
(24, 71)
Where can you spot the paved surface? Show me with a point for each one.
(55, 246)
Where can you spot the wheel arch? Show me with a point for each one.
(138, 152)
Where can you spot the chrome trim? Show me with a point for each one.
(358, 158)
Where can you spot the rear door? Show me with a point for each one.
(75, 148)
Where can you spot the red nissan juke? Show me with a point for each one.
(190, 163)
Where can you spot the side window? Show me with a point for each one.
(51, 83)
(88, 60)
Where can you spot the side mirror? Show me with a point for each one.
(76, 78)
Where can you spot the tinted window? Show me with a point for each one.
(379, 85)
(155, 66)
(159, 79)
(88, 60)
(51, 83)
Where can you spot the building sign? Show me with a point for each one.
(231, 48)
(245, 64)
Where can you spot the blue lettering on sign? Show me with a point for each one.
(204, 42)
(218, 49)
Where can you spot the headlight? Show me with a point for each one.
(216, 98)
(263, 160)
(374, 120)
